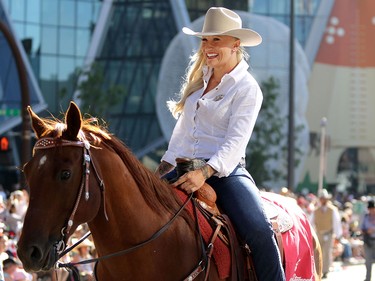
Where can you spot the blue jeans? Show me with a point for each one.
(238, 197)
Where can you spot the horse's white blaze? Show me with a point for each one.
(42, 161)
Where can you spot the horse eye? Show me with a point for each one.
(65, 175)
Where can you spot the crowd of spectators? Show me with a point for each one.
(13, 208)
(347, 248)
(348, 245)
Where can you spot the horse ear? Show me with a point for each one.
(37, 124)
(73, 120)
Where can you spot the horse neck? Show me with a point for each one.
(130, 219)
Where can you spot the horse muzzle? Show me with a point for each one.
(36, 258)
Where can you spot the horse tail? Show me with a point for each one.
(318, 256)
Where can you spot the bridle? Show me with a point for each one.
(60, 246)
(47, 143)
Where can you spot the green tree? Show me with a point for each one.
(269, 142)
(267, 136)
(97, 95)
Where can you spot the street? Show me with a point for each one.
(342, 272)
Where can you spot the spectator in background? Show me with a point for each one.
(307, 205)
(9, 267)
(20, 200)
(327, 222)
(1, 261)
(15, 211)
(3, 209)
(4, 253)
(368, 230)
(13, 271)
(346, 238)
(3, 194)
(84, 253)
(311, 206)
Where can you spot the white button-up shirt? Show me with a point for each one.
(218, 125)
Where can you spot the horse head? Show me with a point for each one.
(62, 195)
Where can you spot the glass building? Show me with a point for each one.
(125, 39)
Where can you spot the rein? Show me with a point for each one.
(60, 246)
(129, 250)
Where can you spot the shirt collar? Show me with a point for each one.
(236, 74)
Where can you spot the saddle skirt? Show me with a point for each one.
(274, 212)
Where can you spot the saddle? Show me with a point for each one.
(281, 222)
(206, 198)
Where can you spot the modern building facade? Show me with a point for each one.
(127, 41)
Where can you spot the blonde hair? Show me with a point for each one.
(193, 79)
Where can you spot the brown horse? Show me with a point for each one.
(79, 173)
(124, 204)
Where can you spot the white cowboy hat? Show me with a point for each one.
(222, 21)
(325, 194)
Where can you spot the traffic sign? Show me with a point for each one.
(10, 112)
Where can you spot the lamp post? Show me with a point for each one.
(25, 97)
(291, 102)
(322, 156)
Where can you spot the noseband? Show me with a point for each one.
(47, 143)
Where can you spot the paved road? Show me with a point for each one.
(342, 272)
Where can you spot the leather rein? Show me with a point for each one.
(60, 246)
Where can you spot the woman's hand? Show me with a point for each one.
(192, 181)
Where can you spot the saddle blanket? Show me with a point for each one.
(221, 253)
(297, 242)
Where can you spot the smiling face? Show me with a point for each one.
(220, 52)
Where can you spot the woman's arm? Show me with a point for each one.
(163, 168)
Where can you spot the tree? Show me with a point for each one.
(95, 95)
(268, 143)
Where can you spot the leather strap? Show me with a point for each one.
(210, 248)
(279, 238)
(236, 262)
(250, 264)
(199, 269)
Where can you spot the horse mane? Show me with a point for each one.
(156, 192)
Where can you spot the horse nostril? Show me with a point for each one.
(35, 253)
